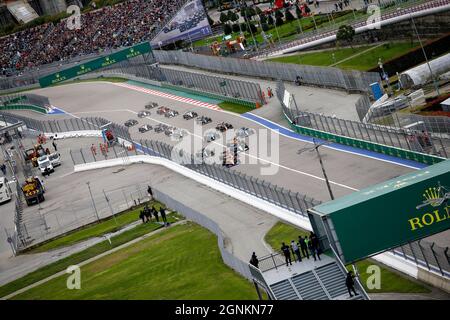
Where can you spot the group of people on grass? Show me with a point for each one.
(147, 212)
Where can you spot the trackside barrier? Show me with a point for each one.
(13, 107)
(212, 95)
(327, 77)
(228, 258)
(277, 201)
(383, 139)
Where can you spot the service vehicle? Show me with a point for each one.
(45, 166)
(33, 191)
(5, 190)
(55, 159)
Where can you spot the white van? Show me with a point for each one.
(45, 165)
(5, 190)
(55, 159)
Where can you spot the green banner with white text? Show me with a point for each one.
(95, 64)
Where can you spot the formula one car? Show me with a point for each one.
(241, 146)
(130, 123)
(160, 128)
(162, 110)
(143, 114)
(171, 114)
(205, 153)
(203, 120)
(151, 105)
(190, 115)
(244, 132)
(179, 134)
(144, 128)
(222, 127)
(169, 131)
(211, 136)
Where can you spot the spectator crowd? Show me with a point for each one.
(111, 27)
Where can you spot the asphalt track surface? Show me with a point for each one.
(300, 173)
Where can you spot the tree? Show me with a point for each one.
(270, 20)
(235, 27)
(258, 10)
(227, 29)
(253, 28)
(289, 16)
(223, 17)
(346, 33)
(243, 26)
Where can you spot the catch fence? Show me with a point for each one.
(400, 142)
(328, 77)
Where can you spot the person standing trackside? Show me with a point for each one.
(162, 211)
(54, 145)
(254, 260)
(350, 283)
(155, 213)
(93, 150)
(303, 246)
(150, 192)
(287, 254)
(296, 251)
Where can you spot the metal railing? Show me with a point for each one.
(426, 254)
(431, 256)
(405, 139)
(414, 6)
(328, 77)
(201, 83)
(259, 188)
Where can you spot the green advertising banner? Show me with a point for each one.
(390, 214)
(95, 64)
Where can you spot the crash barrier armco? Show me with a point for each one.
(382, 139)
(328, 77)
(226, 89)
(282, 203)
(26, 101)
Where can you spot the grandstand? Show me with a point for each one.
(108, 28)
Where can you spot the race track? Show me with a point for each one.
(300, 173)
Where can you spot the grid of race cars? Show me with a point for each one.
(229, 155)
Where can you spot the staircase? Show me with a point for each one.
(324, 283)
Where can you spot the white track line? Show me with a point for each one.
(257, 158)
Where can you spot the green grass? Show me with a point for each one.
(369, 60)
(182, 262)
(282, 232)
(76, 258)
(235, 107)
(363, 62)
(391, 281)
(108, 225)
(323, 58)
